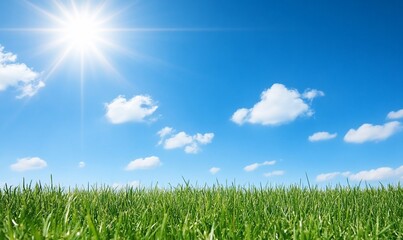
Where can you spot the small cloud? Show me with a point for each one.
(327, 176)
(165, 131)
(132, 184)
(321, 136)
(18, 75)
(368, 132)
(214, 170)
(395, 115)
(28, 163)
(274, 173)
(310, 94)
(377, 174)
(255, 166)
(191, 144)
(143, 163)
(81, 165)
(277, 105)
(136, 109)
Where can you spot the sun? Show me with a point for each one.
(81, 31)
(80, 27)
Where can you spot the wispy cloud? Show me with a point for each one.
(191, 144)
(311, 94)
(377, 174)
(136, 109)
(395, 115)
(254, 166)
(327, 176)
(18, 75)
(214, 170)
(274, 173)
(321, 136)
(368, 132)
(277, 105)
(165, 131)
(28, 163)
(143, 163)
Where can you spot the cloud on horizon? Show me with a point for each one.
(329, 176)
(278, 105)
(136, 109)
(274, 173)
(18, 75)
(382, 173)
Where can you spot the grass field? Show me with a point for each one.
(218, 212)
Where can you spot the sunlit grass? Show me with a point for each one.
(186, 212)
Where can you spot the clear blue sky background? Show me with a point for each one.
(352, 51)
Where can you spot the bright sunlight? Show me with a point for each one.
(81, 31)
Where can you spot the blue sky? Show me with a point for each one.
(150, 92)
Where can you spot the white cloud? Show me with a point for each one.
(274, 173)
(345, 174)
(132, 184)
(191, 144)
(255, 166)
(321, 136)
(28, 163)
(378, 174)
(327, 176)
(18, 75)
(240, 116)
(310, 94)
(137, 109)
(143, 163)
(277, 105)
(395, 115)
(214, 170)
(365, 175)
(178, 140)
(81, 165)
(368, 132)
(165, 131)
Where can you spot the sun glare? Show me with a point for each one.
(80, 28)
(81, 31)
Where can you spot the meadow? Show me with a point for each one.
(216, 212)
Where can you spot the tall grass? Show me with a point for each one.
(186, 212)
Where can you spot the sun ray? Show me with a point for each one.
(44, 12)
(57, 62)
(82, 101)
(103, 60)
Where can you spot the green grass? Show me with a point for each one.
(218, 212)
